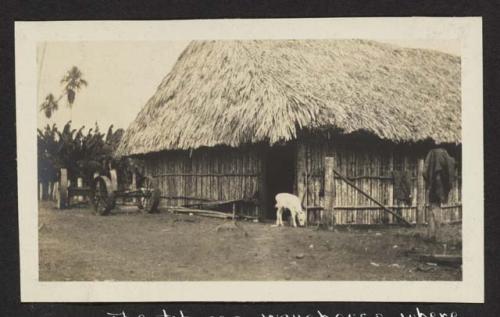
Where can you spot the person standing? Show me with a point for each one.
(439, 176)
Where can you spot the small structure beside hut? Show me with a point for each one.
(244, 120)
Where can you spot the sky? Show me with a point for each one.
(122, 76)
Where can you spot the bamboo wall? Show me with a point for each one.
(213, 174)
(223, 173)
(369, 166)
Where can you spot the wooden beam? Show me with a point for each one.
(363, 207)
(329, 185)
(301, 169)
(420, 192)
(372, 199)
(207, 175)
(206, 212)
(443, 259)
(113, 175)
(62, 201)
(390, 186)
(219, 202)
(263, 182)
(301, 175)
(79, 184)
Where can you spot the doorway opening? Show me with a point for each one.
(280, 175)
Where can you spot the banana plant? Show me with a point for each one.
(82, 154)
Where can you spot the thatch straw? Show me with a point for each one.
(237, 92)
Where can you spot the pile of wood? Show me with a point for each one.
(202, 209)
(442, 259)
(199, 212)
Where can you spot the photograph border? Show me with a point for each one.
(467, 29)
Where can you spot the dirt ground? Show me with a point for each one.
(77, 245)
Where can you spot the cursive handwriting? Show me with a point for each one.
(416, 313)
(163, 314)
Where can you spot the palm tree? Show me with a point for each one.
(49, 106)
(72, 81)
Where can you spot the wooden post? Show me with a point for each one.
(114, 179)
(263, 184)
(234, 212)
(329, 185)
(64, 183)
(301, 173)
(133, 186)
(301, 169)
(420, 192)
(53, 195)
(79, 184)
(390, 188)
(55, 191)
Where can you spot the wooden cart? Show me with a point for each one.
(103, 193)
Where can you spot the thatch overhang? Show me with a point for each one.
(241, 92)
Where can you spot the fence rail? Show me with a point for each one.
(204, 175)
(371, 174)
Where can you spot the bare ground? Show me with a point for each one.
(80, 246)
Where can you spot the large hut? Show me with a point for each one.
(244, 120)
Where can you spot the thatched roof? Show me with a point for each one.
(238, 92)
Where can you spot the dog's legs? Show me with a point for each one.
(280, 216)
(293, 214)
(279, 220)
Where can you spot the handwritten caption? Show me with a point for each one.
(416, 313)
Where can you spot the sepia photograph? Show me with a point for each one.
(287, 159)
(242, 144)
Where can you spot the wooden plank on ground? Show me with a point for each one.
(216, 214)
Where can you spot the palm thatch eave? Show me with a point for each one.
(238, 92)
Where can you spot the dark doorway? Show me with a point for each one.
(280, 175)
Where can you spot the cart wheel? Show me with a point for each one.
(103, 198)
(62, 193)
(150, 197)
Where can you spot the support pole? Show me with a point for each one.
(133, 186)
(390, 186)
(264, 213)
(64, 183)
(307, 182)
(420, 192)
(301, 172)
(329, 185)
(114, 179)
(55, 191)
(234, 212)
(79, 184)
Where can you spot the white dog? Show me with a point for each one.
(292, 203)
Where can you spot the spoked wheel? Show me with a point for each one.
(103, 198)
(149, 199)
